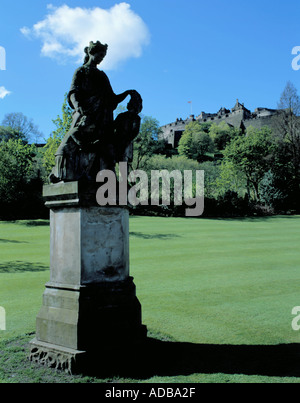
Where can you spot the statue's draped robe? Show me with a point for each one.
(92, 127)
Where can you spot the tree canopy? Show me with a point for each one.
(146, 143)
(253, 154)
(18, 126)
(195, 142)
(63, 124)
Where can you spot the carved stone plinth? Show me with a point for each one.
(90, 302)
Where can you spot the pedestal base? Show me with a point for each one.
(56, 357)
(90, 304)
(79, 323)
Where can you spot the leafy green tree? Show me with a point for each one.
(204, 147)
(8, 133)
(185, 144)
(179, 162)
(170, 164)
(195, 143)
(222, 134)
(269, 192)
(63, 124)
(253, 155)
(16, 165)
(182, 163)
(20, 181)
(162, 147)
(284, 178)
(211, 174)
(146, 143)
(230, 179)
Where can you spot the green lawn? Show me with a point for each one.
(201, 281)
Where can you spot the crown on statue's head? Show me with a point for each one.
(94, 47)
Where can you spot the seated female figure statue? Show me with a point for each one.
(94, 141)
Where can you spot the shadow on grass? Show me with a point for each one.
(253, 218)
(21, 267)
(11, 241)
(165, 358)
(153, 236)
(34, 223)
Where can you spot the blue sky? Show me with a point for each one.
(171, 51)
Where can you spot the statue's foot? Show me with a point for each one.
(54, 179)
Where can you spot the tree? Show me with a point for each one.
(171, 165)
(269, 192)
(16, 163)
(195, 143)
(23, 127)
(222, 134)
(20, 181)
(63, 124)
(176, 162)
(230, 179)
(253, 155)
(211, 173)
(145, 144)
(289, 99)
(162, 147)
(288, 123)
(7, 133)
(186, 143)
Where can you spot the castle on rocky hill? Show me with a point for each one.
(238, 116)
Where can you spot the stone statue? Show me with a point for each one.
(95, 141)
(90, 315)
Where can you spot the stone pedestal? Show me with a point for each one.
(90, 302)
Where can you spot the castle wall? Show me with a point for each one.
(261, 117)
(271, 121)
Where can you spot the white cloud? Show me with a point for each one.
(4, 92)
(66, 31)
(25, 31)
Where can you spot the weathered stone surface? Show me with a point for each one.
(70, 194)
(90, 301)
(57, 320)
(89, 245)
(82, 318)
(55, 357)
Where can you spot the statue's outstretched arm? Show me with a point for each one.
(121, 97)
